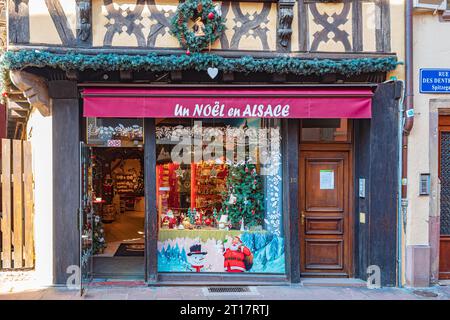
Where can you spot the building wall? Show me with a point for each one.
(350, 26)
(39, 133)
(430, 51)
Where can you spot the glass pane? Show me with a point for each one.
(115, 132)
(445, 183)
(219, 196)
(325, 130)
(87, 220)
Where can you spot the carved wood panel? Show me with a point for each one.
(343, 25)
(146, 20)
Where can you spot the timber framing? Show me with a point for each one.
(271, 28)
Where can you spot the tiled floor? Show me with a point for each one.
(292, 292)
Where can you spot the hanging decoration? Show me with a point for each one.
(208, 25)
(179, 172)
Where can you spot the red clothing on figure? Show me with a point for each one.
(234, 260)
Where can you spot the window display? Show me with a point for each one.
(114, 132)
(219, 195)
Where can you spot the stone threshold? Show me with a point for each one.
(333, 282)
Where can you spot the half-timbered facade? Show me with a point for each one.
(330, 197)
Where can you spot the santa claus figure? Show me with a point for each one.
(237, 258)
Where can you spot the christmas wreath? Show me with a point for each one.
(208, 24)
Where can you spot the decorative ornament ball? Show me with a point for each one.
(208, 222)
(188, 52)
(211, 15)
(5, 94)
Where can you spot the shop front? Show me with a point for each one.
(238, 184)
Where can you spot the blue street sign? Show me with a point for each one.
(434, 80)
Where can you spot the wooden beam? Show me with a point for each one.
(66, 176)
(151, 216)
(19, 21)
(60, 21)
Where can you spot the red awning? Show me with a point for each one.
(227, 102)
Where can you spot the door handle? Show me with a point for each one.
(303, 217)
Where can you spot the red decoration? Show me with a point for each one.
(207, 222)
(5, 94)
(188, 52)
(211, 15)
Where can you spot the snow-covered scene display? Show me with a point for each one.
(196, 255)
(219, 196)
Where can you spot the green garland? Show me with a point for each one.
(214, 24)
(16, 60)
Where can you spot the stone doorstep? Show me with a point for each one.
(333, 282)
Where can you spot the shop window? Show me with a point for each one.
(219, 196)
(114, 132)
(325, 130)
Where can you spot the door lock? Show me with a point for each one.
(303, 217)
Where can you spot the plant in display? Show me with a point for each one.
(99, 243)
(244, 187)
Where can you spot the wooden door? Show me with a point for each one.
(444, 176)
(325, 240)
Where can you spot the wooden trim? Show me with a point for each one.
(325, 146)
(151, 215)
(290, 154)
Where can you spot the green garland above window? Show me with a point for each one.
(208, 24)
(14, 60)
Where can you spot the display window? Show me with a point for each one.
(115, 132)
(219, 195)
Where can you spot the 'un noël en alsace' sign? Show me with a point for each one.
(269, 103)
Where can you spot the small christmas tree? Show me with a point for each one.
(244, 197)
(99, 236)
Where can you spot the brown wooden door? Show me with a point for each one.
(324, 213)
(444, 176)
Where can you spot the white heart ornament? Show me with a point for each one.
(212, 72)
